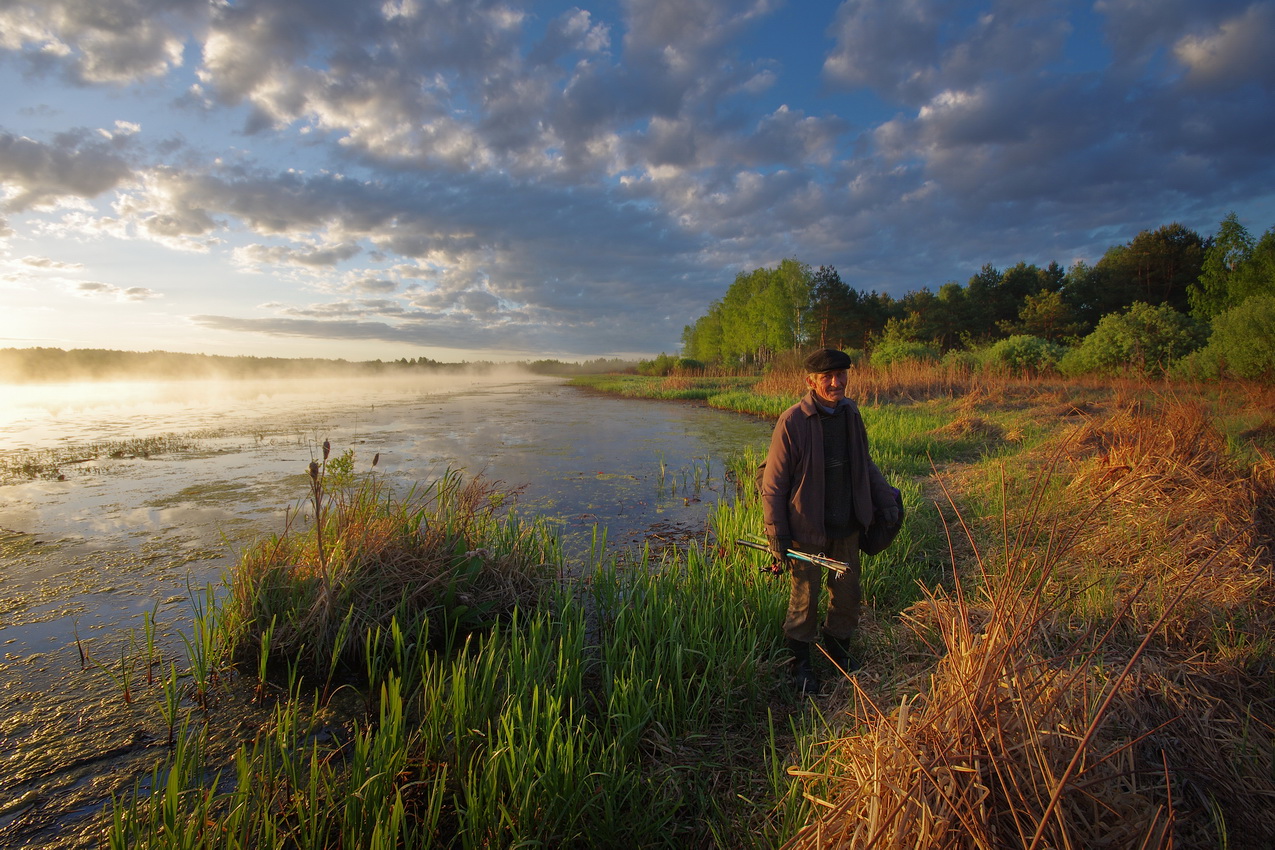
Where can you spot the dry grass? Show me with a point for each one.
(1172, 498)
(915, 382)
(1106, 680)
(984, 430)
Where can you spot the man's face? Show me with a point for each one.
(829, 386)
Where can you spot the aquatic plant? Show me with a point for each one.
(149, 625)
(203, 650)
(169, 700)
(55, 463)
(529, 731)
(440, 553)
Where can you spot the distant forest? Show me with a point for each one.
(55, 365)
(1171, 282)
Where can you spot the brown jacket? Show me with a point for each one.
(792, 484)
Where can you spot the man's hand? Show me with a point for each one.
(779, 551)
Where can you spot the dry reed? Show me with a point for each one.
(913, 381)
(1173, 498)
(1143, 721)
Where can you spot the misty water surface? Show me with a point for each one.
(97, 540)
(176, 515)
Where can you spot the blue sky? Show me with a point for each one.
(507, 180)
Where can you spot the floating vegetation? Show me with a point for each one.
(55, 464)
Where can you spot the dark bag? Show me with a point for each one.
(879, 536)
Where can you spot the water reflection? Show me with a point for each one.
(36, 416)
(175, 518)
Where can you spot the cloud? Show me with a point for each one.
(911, 50)
(466, 234)
(512, 336)
(347, 309)
(324, 256)
(109, 41)
(383, 79)
(574, 31)
(486, 173)
(682, 30)
(78, 164)
(891, 47)
(48, 263)
(93, 289)
(374, 285)
(1138, 31)
(1235, 50)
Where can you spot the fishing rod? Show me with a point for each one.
(837, 567)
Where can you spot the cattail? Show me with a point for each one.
(376, 458)
(314, 470)
(327, 449)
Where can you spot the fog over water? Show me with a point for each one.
(120, 498)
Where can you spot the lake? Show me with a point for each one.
(120, 498)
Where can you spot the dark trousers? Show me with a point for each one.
(844, 594)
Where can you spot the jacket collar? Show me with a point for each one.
(812, 408)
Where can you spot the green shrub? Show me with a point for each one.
(962, 358)
(659, 367)
(1025, 354)
(900, 351)
(1143, 339)
(1242, 344)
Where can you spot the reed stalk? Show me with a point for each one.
(201, 646)
(169, 702)
(149, 625)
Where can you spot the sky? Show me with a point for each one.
(472, 180)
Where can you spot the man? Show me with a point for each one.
(820, 490)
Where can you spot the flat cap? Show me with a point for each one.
(827, 360)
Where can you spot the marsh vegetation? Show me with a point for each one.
(1068, 645)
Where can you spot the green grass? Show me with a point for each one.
(672, 388)
(743, 401)
(431, 684)
(633, 706)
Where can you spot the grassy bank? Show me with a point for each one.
(429, 681)
(1068, 645)
(1093, 667)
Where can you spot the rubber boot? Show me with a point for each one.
(804, 679)
(838, 650)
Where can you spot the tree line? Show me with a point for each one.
(1169, 281)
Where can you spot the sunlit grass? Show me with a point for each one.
(1069, 638)
(442, 553)
(631, 706)
(668, 388)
